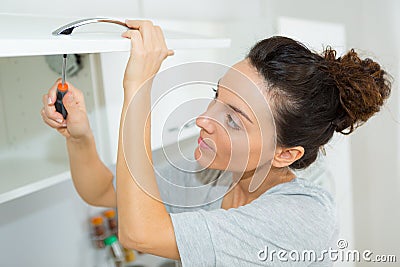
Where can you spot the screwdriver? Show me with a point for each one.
(62, 89)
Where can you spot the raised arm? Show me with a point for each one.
(144, 223)
(92, 179)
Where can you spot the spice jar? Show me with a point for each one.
(115, 250)
(129, 255)
(112, 221)
(99, 231)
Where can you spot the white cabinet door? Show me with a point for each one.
(22, 35)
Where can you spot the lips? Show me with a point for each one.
(203, 144)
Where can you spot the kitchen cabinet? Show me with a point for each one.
(22, 35)
(33, 156)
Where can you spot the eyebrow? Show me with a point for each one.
(240, 112)
(235, 108)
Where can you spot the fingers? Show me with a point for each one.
(145, 27)
(52, 123)
(52, 94)
(148, 50)
(78, 95)
(70, 103)
(49, 113)
(136, 40)
(138, 24)
(148, 36)
(161, 39)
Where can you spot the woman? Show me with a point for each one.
(310, 97)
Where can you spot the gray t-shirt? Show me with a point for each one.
(287, 225)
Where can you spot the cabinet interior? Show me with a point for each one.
(32, 155)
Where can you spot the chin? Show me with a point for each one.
(204, 161)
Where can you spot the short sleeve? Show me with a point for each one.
(183, 191)
(193, 238)
(237, 237)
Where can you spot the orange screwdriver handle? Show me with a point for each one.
(62, 90)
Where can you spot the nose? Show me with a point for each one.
(205, 123)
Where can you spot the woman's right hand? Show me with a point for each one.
(76, 125)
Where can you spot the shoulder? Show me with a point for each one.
(299, 202)
(300, 191)
(298, 213)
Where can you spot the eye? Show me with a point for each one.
(216, 92)
(231, 123)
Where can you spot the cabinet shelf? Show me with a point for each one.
(32, 35)
(19, 176)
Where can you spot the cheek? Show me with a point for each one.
(235, 152)
(246, 152)
(255, 152)
(225, 143)
(261, 149)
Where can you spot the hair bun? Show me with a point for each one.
(363, 86)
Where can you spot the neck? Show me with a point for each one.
(274, 177)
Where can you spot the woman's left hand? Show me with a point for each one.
(147, 53)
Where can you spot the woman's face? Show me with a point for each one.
(237, 131)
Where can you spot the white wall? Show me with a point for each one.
(376, 187)
(73, 8)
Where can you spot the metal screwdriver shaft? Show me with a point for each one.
(64, 66)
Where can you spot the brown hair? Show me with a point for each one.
(313, 95)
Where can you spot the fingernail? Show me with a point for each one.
(49, 101)
(59, 120)
(70, 97)
(64, 125)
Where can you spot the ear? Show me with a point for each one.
(285, 156)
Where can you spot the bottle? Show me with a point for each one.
(115, 250)
(99, 231)
(129, 255)
(112, 221)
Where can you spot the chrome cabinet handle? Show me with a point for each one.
(67, 29)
